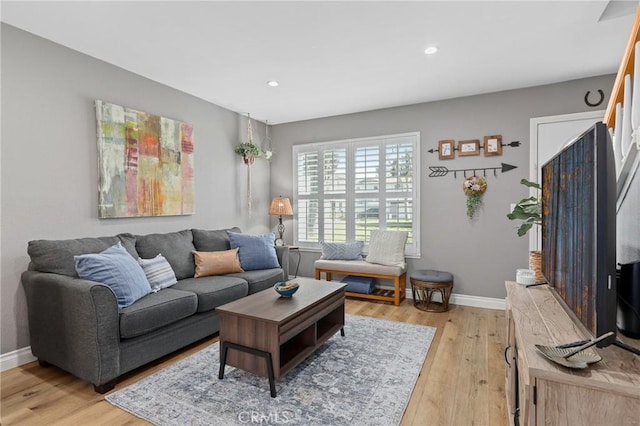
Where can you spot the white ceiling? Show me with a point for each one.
(335, 58)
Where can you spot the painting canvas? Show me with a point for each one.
(145, 162)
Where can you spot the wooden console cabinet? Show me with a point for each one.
(540, 392)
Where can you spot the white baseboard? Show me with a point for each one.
(464, 300)
(478, 301)
(16, 358)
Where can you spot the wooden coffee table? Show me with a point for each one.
(269, 335)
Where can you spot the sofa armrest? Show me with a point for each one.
(73, 324)
(283, 257)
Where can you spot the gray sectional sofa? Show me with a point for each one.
(76, 324)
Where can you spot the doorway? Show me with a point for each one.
(548, 135)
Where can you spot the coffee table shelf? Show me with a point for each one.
(265, 326)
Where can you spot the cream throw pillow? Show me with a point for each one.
(216, 262)
(387, 248)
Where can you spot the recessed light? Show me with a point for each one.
(431, 50)
(273, 83)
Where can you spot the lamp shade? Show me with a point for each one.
(281, 206)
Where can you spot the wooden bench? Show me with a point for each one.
(362, 268)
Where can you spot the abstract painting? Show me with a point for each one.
(145, 162)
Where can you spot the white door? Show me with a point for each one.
(548, 135)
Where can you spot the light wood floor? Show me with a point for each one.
(461, 383)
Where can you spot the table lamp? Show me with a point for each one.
(280, 206)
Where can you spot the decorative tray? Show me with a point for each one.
(579, 360)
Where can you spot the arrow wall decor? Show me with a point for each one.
(439, 171)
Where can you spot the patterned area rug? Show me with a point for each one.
(364, 378)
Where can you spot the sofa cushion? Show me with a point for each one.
(216, 262)
(176, 247)
(214, 291)
(56, 256)
(212, 240)
(156, 310)
(256, 251)
(261, 279)
(158, 272)
(117, 269)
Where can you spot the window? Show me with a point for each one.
(346, 189)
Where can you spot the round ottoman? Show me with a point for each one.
(424, 282)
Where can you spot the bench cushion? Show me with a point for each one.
(156, 310)
(359, 266)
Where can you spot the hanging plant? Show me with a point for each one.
(474, 188)
(248, 151)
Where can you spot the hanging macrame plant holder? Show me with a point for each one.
(249, 152)
(249, 160)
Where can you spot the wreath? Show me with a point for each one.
(474, 188)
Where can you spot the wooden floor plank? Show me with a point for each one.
(496, 328)
(437, 390)
(471, 384)
(33, 395)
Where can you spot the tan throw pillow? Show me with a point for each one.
(216, 262)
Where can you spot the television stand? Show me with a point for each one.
(541, 392)
(629, 348)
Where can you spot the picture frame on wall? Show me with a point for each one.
(492, 145)
(446, 149)
(469, 147)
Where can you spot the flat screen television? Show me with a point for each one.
(579, 230)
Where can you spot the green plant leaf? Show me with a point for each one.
(534, 200)
(524, 228)
(528, 210)
(530, 184)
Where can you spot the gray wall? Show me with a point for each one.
(49, 158)
(481, 253)
(49, 165)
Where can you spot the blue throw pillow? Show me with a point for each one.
(342, 251)
(116, 268)
(256, 251)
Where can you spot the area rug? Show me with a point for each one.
(363, 378)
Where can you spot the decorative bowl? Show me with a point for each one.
(286, 288)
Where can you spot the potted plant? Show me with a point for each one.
(529, 210)
(248, 151)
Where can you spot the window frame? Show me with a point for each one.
(381, 196)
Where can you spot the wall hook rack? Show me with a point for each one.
(439, 171)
